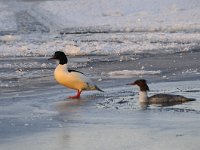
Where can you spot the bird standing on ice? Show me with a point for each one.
(158, 98)
(71, 78)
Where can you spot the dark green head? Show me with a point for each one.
(59, 55)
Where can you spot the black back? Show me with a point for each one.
(71, 70)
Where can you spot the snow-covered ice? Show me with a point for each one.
(98, 27)
(131, 73)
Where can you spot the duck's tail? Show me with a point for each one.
(190, 99)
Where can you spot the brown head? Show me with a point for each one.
(142, 84)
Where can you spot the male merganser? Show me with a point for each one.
(71, 78)
(158, 98)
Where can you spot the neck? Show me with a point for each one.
(143, 96)
(62, 68)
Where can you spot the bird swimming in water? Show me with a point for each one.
(71, 78)
(158, 98)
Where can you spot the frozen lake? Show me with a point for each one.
(114, 43)
(35, 111)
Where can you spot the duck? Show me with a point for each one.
(72, 79)
(157, 98)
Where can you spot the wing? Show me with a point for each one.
(81, 77)
(168, 98)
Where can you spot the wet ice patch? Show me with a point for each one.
(118, 102)
(44, 112)
(131, 73)
(122, 99)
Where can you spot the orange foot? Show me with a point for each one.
(77, 96)
(74, 97)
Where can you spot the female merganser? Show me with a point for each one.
(71, 78)
(158, 98)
